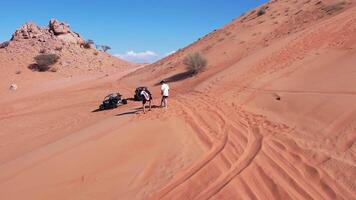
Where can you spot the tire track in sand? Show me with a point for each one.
(254, 141)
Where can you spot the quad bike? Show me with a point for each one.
(112, 101)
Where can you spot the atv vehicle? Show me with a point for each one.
(138, 91)
(112, 101)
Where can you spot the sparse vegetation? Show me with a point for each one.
(105, 48)
(96, 53)
(44, 62)
(90, 41)
(195, 63)
(261, 12)
(4, 44)
(87, 44)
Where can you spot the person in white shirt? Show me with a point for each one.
(164, 93)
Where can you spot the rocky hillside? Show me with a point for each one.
(76, 55)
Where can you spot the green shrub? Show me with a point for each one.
(195, 62)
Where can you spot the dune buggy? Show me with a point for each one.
(112, 101)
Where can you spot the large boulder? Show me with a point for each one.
(58, 28)
(62, 31)
(70, 38)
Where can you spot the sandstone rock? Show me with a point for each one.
(62, 31)
(58, 28)
(13, 87)
(69, 38)
(27, 31)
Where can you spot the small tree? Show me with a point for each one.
(90, 41)
(45, 61)
(195, 63)
(105, 48)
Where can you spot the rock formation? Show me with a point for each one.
(27, 31)
(55, 30)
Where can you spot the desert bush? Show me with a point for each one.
(96, 53)
(105, 48)
(44, 61)
(195, 62)
(87, 44)
(4, 44)
(261, 12)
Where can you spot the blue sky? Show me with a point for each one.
(141, 31)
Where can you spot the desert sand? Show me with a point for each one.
(273, 116)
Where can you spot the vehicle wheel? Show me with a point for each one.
(101, 107)
(124, 101)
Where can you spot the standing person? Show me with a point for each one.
(164, 93)
(146, 96)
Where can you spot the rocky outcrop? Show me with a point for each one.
(13, 87)
(56, 30)
(27, 31)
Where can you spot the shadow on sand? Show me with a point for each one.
(97, 110)
(127, 113)
(136, 110)
(140, 108)
(179, 77)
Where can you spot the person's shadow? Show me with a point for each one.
(136, 110)
(127, 113)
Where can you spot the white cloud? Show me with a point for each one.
(142, 57)
(170, 53)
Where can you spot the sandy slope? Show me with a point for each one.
(54, 147)
(277, 116)
(272, 117)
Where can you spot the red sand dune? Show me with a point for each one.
(272, 117)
